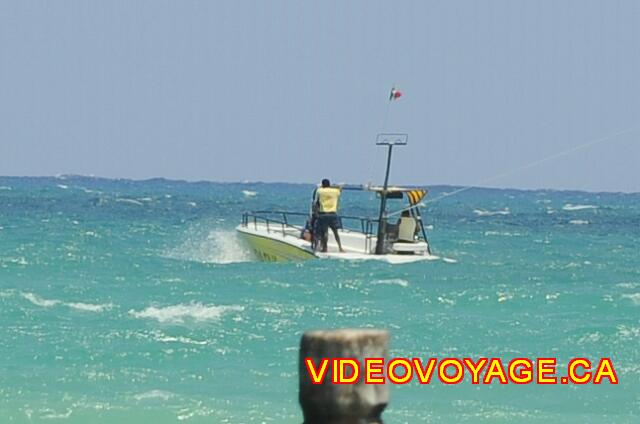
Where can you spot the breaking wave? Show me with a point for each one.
(578, 222)
(89, 307)
(38, 301)
(482, 212)
(502, 233)
(634, 297)
(7, 293)
(154, 394)
(130, 201)
(80, 306)
(570, 207)
(179, 313)
(179, 339)
(217, 246)
(393, 281)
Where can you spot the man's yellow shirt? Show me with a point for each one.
(328, 199)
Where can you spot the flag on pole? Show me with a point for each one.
(395, 94)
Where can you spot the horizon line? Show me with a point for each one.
(188, 181)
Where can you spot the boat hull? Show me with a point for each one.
(271, 249)
(278, 244)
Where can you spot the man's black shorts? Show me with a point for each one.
(326, 221)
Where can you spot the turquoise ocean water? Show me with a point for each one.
(133, 302)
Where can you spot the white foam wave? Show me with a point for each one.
(628, 333)
(570, 207)
(218, 246)
(154, 394)
(450, 260)
(578, 222)
(179, 313)
(12, 260)
(272, 310)
(7, 293)
(552, 296)
(249, 193)
(38, 301)
(482, 212)
(393, 281)
(180, 339)
(634, 297)
(80, 306)
(62, 186)
(89, 191)
(130, 201)
(590, 338)
(504, 296)
(628, 285)
(200, 412)
(445, 301)
(89, 307)
(501, 233)
(5, 188)
(50, 414)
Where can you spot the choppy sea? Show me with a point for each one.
(132, 302)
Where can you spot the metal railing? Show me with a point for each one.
(283, 223)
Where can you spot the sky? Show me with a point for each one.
(296, 91)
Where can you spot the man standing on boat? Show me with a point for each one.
(327, 202)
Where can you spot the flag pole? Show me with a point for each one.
(388, 140)
(382, 218)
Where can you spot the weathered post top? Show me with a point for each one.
(328, 403)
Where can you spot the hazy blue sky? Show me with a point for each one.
(295, 91)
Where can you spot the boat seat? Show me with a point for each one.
(416, 247)
(407, 229)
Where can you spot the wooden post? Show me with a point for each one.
(329, 403)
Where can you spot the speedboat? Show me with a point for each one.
(393, 236)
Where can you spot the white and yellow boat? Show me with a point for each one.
(278, 235)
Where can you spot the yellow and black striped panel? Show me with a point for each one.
(415, 196)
